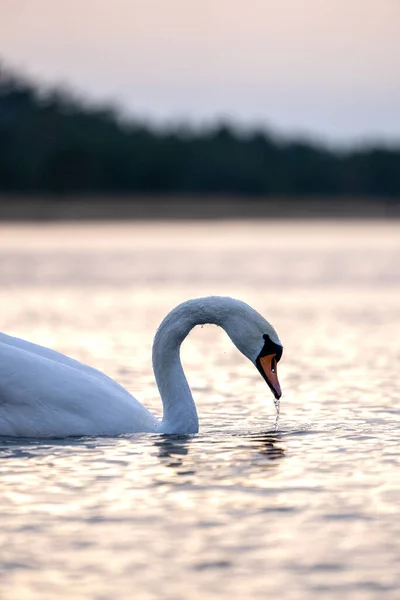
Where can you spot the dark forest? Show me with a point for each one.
(52, 142)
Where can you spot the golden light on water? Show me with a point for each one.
(238, 510)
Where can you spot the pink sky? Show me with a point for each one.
(330, 68)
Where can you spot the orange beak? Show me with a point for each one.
(267, 367)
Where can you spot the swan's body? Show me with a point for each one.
(44, 393)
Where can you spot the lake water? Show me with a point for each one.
(238, 511)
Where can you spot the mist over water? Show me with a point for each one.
(239, 510)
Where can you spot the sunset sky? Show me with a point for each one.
(327, 68)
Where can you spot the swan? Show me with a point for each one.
(44, 393)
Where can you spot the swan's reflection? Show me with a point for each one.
(172, 448)
(268, 444)
(229, 454)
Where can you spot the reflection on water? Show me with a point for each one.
(175, 451)
(239, 510)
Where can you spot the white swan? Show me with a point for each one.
(46, 394)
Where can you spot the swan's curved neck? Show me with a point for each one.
(180, 415)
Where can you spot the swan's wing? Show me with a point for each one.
(42, 397)
(55, 356)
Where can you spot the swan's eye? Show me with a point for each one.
(273, 365)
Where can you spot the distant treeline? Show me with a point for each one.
(50, 142)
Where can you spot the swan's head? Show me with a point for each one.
(255, 337)
(248, 330)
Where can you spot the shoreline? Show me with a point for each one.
(138, 208)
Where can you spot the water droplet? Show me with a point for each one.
(277, 403)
